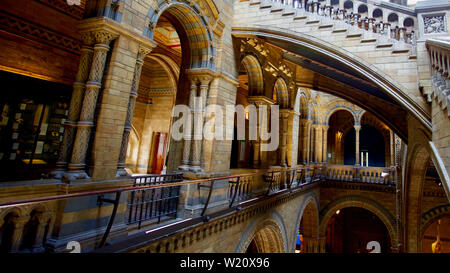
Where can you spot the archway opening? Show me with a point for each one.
(341, 138)
(372, 147)
(161, 78)
(308, 230)
(266, 240)
(436, 237)
(250, 84)
(354, 230)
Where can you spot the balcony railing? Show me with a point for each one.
(155, 197)
(373, 175)
(358, 20)
(439, 52)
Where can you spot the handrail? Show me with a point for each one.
(126, 189)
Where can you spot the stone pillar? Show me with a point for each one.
(371, 21)
(200, 105)
(19, 224)
(93, 85)
(284, 115)
(187, 133)
(75, 106)
(392, 148)
(43, 220)
(317, 144)
(387, 27)
(322, 244)
(131, 103)
(309, 142)
(357, 159)
(402, 31)
(304, 141)
(324, 141)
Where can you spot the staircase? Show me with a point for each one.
(374, 45)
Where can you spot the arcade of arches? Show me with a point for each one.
(105, 95)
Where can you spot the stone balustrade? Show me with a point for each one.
(375, 175)
(439, 53)
(386, 21)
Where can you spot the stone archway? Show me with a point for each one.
(308, 222)
(359, 202)
(264, 235)
(295, 42)
(254, 74)
(413, 188)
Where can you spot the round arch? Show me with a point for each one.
(414, 179)
(432, 215)
(384, 82)
(309, 213)
(360, 202)
(268, 233)
(255, 75)
(281, 91)
(199, 36)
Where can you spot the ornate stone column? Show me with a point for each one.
(75, 105)
(199, 113)
(93, 85)
(324, 142)
(143, 51)
(284, 115)
(392, 148)
(318, 144)
(308, 141)
(187, 133)
(357, 159)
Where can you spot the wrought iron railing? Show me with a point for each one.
(154, 203)
(152, 198)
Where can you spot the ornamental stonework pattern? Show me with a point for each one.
(434, 24)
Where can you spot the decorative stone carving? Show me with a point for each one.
(86, 122)
(434, 24)
(143, 51)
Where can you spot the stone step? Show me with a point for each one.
(288, 13)
(326, 26)
(384, 45)
(354, 35)
(400, 51)
(369, 40)
(301, 17)
(339, 30)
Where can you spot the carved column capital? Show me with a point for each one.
(104, 36)
(142, 52)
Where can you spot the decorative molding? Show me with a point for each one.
(74, 11)
(434, 24)
(35, 32)
(145, 93)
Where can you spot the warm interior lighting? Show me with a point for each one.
(246, 115)
(383, 174)
(35, 161)
(338, 211)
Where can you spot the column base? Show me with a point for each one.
(121, 172)
(57, 174)
(74, 175)
(185, 168)
(196, 169)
